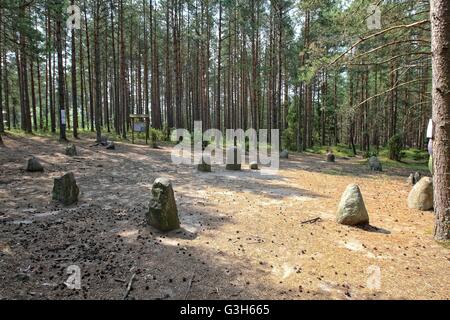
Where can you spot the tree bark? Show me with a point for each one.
(74, 85)
(440, 46)
(61, 82)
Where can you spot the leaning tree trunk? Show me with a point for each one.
(440, 46)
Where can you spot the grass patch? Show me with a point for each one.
(332, 172)
(139, 137)
(339, 150)
(445, 244)
(412, 159)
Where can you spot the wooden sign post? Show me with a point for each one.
(140, 126)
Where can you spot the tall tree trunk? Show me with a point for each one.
(440, 46)
(82, 84)
(123, 102)
(33, 95)
(41, 121)
(91, 91)
(97, 65)
(74, 83)
(168, 75)
(2, 127)
(61, 82)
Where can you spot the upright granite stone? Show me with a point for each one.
(417, 177)
(104, 141)
(421, 195)
(233, 159)
(65, 189)
(205, 165)
(163, 213)
(375, 164)
(414, 178)
(33, 165)
(111, 146)
(351, 209)
(410, 180)
(71, 150)
(331, 157)
(284, 154)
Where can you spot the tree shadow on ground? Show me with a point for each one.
(374, 229)
(110, 246)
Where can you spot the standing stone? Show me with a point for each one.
(104, 141)
(65, 189)
(375, 164)
(351, 209)
(331, 157)
(233, 156)
(410, 180)
(254, 165)
(163, 213)
(205, 166)
(111, 146)
(421, 195)
(33, 165)
(414, 178)
(430, 165)
(284, 154)
(71, 150)
(417, 177)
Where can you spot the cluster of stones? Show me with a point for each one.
(163, 212)
(65, 189)
(234, 154)
(352, 210)
(414, 178)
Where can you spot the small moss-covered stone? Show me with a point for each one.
(71, 150)
(331, 157)
(33, 165)
(253, 165)
(163, 212)
(205, 166)
(65, 189)
(375, 164)
(284, 154)
(104, 141)
(233, 159)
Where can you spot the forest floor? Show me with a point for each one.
(242, 234)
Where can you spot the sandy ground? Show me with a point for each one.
(242, 234)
